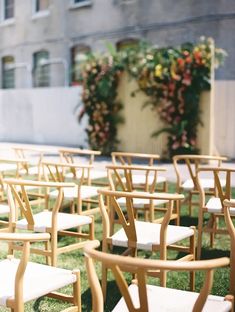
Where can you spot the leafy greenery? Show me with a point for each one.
(172, 77)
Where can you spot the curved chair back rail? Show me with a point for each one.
(140, 267)
(222, 178)
(27, 276)
(228, 205)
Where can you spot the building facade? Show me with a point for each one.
(43, 41)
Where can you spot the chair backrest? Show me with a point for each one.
(10, 167)
(124, 158)
(34, 155)
(26, 239)
(122, 176)
(192, 163)
(140, 267)
(68, 154)
(18, 193)
(222, 182)
(127, 219)
(56, 171)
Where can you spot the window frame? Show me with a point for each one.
(83, 3)
(75, 50)
(45, 70)
(4, 71)
(39, 13)
(6, 20)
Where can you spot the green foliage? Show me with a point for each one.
(173, 78)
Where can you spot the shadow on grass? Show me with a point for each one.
(214, 253)
(188, 221)
(113, 296)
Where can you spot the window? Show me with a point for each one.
(41, 5)
(79, 3)
(8, 72)
(78, 55)
(41, 73)
(127, 43)
(8, 9)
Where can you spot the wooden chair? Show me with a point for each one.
(121, 178)
(188, 184)
(137, 235)
(92, 175)
(229, 208)
(78, 194)
(54, 222)
(123, 158)
(214, 205)
(34, 155)
(8, 167)
(23, 281)
(140, 296)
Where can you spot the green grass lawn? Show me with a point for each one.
(75, 260)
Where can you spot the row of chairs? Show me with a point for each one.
(127, 183)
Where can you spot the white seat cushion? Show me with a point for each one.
(86, 191)
(148, 234)
(206, 184)
(214, 206)
(39, 280)
(172, 300)
(94, 174)
(7, 167)
(140, 179)
(4, 209)
(140, 202)
(43, 220)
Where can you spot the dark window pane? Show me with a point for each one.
(41, 72)
(8, 9)
(41, 5)
(8, 73)
(78, 54)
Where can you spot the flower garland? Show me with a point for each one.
(100, 78)
(173, 78)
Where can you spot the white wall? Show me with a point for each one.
(42, 115)
(47, 116)
(225, 117)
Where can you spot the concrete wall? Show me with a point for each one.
(47, 116)
(43, 116)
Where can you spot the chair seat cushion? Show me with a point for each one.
(7, 167)
(140, 179)
(148, 234)
(43, 220)
(205, 183)
(4, 209)
(214, 206)
(172, 300)
(94, 174)
(39, 280)
(140, 202)
(86, 191)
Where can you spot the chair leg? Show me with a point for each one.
(77, 292)
(92, 229)
(232, 270)
(104, 273)
(192, 251)
(212, 234)
(54, 249)
(199, 235)
(190, 198)
(47, 248)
